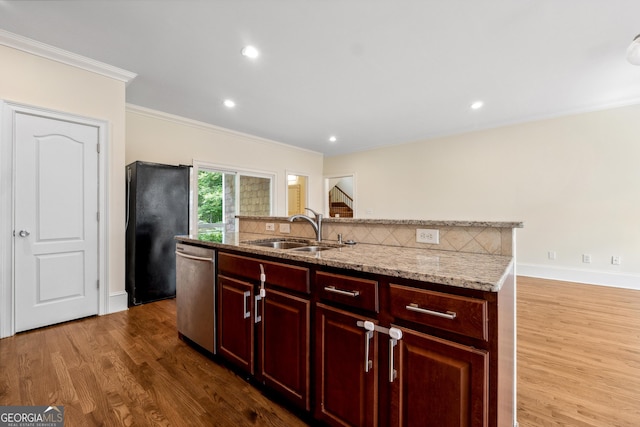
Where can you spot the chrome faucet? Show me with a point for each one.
(316, 223)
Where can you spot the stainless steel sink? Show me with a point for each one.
(312, 248)
(278, 244)
(294, 245)
(283, 245)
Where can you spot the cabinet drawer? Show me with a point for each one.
(351, 291)
(462, 315)
(277, 274)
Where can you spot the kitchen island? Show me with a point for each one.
(371, 334)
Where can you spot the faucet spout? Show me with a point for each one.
(316, 222)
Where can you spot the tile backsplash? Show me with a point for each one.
(473, 237)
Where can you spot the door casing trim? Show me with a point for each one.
(8, 111)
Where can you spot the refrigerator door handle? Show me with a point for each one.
(126, 223)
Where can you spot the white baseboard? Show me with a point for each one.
(118, 301)
(591, 277)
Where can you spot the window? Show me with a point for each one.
(222, 194)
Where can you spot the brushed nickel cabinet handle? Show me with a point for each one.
(448, 315)
(395, 335)
(257, 318)
(341, 292)
(247, 309)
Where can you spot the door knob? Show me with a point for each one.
(23, 233)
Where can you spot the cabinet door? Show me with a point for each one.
(285, 349)
(346, 394)
(440, 383)
(235, 322)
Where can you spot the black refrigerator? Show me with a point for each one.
(157, 209)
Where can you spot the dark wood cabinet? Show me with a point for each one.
(440, 383)
(461, 315)
(279, 353)
(283, 340)
(346, 369)
(235, 322)
(375, 350)
(351, 291)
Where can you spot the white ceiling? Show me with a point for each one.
(371, 72)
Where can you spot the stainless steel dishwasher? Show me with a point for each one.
(195, 294)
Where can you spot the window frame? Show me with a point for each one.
(227, 169)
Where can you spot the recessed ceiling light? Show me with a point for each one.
(229, 103)
(332, 138)
(250, 52)
(476, 105)
(633, 51)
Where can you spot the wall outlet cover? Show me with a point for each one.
(427, 235)
(270, 226)
(285, 228)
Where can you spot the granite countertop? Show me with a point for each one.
(466, 270)
(419, 222)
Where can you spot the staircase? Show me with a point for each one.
(340, 203)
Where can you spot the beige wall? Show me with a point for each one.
(157, 137)
(39, 82)
(574, 182)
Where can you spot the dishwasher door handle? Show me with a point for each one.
(197, 258)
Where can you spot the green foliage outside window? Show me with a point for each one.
(210, 193)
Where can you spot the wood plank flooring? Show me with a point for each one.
(578, 365)
(578, 355)
(129, 368)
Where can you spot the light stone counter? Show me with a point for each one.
(417, 222)
(483, 272)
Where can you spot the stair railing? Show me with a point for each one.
(340, 203)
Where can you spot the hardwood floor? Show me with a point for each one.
(129, 368)
(578, 355)
(578, 365)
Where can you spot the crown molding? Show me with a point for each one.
(160, 115)
(55, 54)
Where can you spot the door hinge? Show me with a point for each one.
(98, 283)
(98, 148)
(98, 216)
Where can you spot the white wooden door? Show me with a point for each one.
(55, 220)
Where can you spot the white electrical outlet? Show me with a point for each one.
(615, 260)
(425, 235)
(285, 228)
(552, 255)
(586, 258)
(270, 226)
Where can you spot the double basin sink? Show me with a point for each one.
(292, 244)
